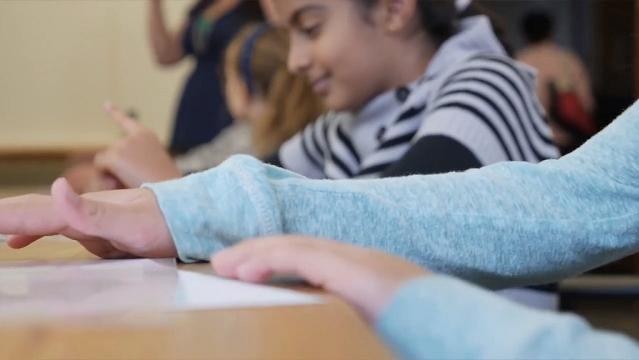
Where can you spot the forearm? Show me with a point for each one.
(439, 317)
(503, 225)
(166, 46)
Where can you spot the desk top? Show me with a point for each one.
(326, 331)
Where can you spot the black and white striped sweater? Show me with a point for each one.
(474, 106)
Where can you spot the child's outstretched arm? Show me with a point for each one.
(503, 225)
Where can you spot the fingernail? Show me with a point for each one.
(108, 106)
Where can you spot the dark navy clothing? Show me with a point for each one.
(202, 112)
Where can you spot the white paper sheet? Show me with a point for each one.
(199, 291)
(29, 290)
(92, 287)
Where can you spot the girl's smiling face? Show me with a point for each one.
(339, 45)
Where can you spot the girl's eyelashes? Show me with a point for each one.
(310, 31)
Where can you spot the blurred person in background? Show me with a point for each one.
(208, 29)
(201, 113)
(563, 83)
(268, 104)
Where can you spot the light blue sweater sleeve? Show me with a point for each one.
(503, 225)
(439, 317)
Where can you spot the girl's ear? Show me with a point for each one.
(399, 15)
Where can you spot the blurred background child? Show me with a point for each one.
(268, 103)
(261, 90)
(563, 83)
(210, 26)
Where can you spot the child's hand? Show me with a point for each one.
(137, 158)
(113, 224)
(85, 177)
(365, 278)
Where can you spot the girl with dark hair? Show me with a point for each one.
(414, 89)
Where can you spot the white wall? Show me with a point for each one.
(60, 59)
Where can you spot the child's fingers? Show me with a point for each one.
(255, 260)
(29, 215)
(225, 262)
(356, 275)
(126, 123)
(110, 225)
(104, 161)
(107, 182)
(21, 241)
(281, 260)
(88, 216)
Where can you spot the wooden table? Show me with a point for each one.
(326, 331)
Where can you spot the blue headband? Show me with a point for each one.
(247, 55)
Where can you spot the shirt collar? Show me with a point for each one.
(474, 37)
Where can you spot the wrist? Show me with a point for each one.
(389, 293)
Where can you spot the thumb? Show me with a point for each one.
(88, 216)
(129, 221)
(126, 123)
